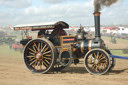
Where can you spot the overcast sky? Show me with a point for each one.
(74, 12)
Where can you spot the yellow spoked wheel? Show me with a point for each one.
(97, 61)
(40, 55)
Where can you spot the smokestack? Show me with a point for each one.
(97, 25)
(98, 4)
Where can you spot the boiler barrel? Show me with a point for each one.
(84, 46)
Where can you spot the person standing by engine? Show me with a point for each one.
(41, 33)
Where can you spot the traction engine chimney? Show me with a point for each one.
(97, 25)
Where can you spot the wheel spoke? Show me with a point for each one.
(32, 53)
(47, 61)
(46, 52)
(46, 49)
(47, 58)
(93, 66)
(104, 65)
(91, 56)
(95, 55)
(35, 64)
(32, 50)
(96, 69)
(30, 56)
(102, 58)
(103, 61)
(39, 47)
(98, 66)
(31, 59)
(43, 48)
(100, 55)
(89, 62)
(40, 66)
(35, 46)
(32, 62)
(45, 64)
(48, 55)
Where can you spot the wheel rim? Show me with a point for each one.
(97, 62)
(38, 56)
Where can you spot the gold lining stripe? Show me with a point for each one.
(89, 44)
(82, 47)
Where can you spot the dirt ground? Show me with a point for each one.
(14, 72)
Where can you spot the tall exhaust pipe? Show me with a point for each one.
(97, 25)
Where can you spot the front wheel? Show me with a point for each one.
(97, 61)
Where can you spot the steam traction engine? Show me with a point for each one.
(57, 50)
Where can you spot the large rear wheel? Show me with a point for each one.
(40, 55)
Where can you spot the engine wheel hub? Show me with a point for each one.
(38, 55)
(96, 61)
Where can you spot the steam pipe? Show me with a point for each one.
(97, 25)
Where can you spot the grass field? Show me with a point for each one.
(118, 52)
(123, 41)
(6, 52)
(121, 44)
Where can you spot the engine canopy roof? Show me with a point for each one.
(39, 26)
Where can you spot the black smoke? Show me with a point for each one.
(99, 3)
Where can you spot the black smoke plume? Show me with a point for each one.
(99, 3)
